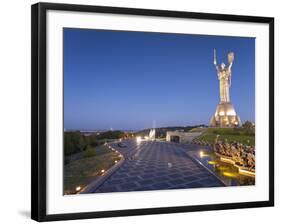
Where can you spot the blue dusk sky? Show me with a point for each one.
(125, 80)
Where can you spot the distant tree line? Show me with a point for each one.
(75, 142)
(161, 131)
(111, 135)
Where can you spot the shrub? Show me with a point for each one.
(92, 140)
(111, 135)
(73, 142)
(66, 160)
(90, 152)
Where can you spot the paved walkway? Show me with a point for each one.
(155, 166)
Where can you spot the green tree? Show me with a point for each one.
(249, 127)
(89, 152)
(73, 142)
(111, 135)
(91, 140)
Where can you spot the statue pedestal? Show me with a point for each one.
(225, 116)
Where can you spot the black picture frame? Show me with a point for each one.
(38, 108)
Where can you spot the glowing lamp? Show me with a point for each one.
(229, 174)
(201, 154)
(78, 188)
(138, 139)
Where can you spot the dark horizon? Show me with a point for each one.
(133, 130)
(124, 80)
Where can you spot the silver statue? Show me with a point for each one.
(224, 75)
(225, 115)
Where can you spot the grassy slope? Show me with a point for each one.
(228, 134)
(84, 170)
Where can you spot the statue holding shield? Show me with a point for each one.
(224, 76)
(225, 115)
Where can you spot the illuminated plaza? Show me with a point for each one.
(156, 165)
(203, 103)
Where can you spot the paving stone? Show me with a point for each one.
(177, 181)
(128, 186)
(195, 184)
(162, 178)
(187, 173)
(133, 179)
(159, 186)
(114, 181)
(150, 169)
(107, 189)
(161, 174)
(147, 176)
(120, 176)
(190, 178)
(178, 187)
(146, 182)
(174, 175)
(134, 174)
(202, 175)
(207, 181)
(144, 188)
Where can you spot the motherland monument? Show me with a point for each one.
(225, 115)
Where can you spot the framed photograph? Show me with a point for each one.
(139, 111)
